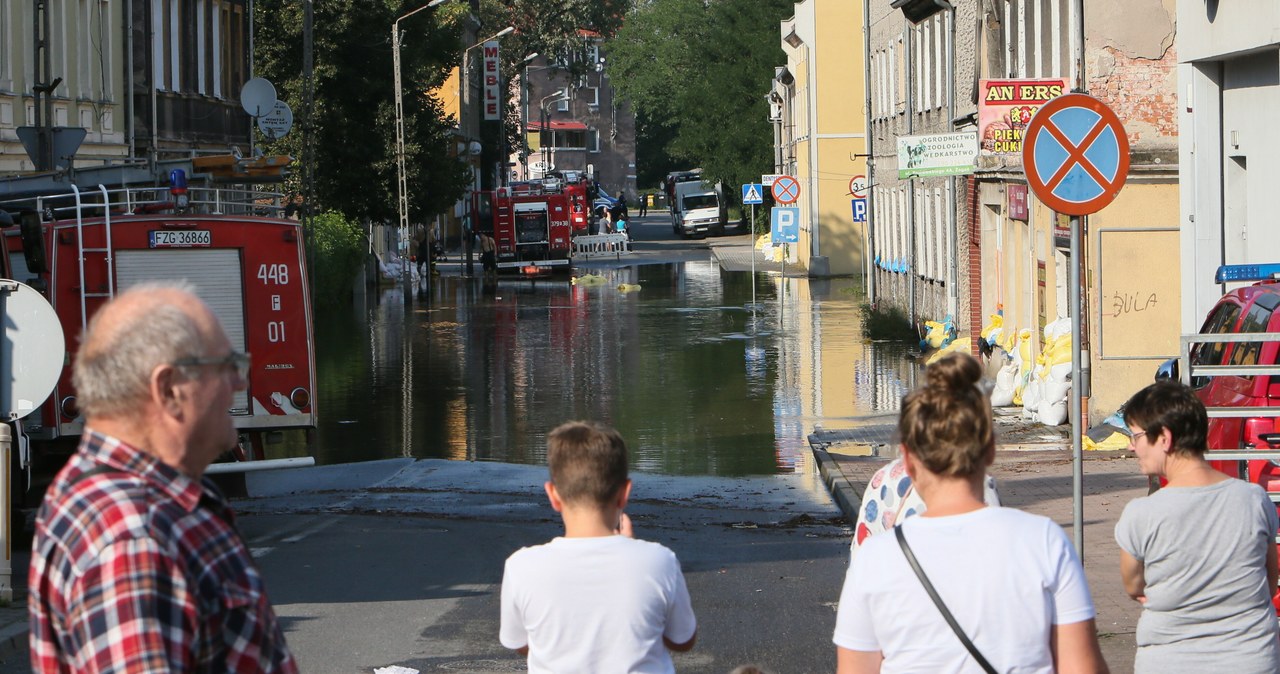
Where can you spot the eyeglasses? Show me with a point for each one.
(1133, 437)
(235, 359)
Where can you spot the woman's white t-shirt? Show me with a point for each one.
(1007, 577)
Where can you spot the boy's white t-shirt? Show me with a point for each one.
(600, 604)
(1007, 577)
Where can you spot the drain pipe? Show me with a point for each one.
(128, 79)
(953, 274)
(868, 254)
(907, 59)
(155, 86)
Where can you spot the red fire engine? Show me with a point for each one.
(81, 246)
(532, 223)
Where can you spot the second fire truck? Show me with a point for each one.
(533, 223)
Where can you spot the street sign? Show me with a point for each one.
(784, 225)
(786, 190)
(1075, 154)
(858, 187)
(752, 193)
(768, 178)
(859, 210)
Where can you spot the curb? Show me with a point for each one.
(842, 491)
(13, 639)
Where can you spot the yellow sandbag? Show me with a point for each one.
(628, 287)
(997, 321)
(963, 345)
(588, 280)
(1113, 442)
(936, 335)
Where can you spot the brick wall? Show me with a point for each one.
(1142, 91)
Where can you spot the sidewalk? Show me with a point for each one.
(13, 615)
(1033, 472)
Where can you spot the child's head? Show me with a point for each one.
(588, 462)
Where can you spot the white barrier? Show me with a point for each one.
(598, 245)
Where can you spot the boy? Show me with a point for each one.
(595, 599)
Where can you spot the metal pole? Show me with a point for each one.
(308, 141)
(1077, 456)
(753, 263)
(6, 509)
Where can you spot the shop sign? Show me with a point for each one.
(1007, 106)
(942, 154)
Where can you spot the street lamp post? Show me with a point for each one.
(466, 238)
(402, 182)
(544, 120)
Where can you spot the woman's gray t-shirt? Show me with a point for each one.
(1204, 552)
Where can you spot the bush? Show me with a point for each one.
(886, 323)
(337, 248)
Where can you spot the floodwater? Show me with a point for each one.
(696, 382)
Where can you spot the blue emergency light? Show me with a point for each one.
(1228, 273)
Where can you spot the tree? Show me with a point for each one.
(354, 114)
(697, 72)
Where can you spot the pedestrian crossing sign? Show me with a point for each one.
(752, 193)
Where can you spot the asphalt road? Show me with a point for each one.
(406, 570)
(399, 562)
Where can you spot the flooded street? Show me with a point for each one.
(697, 383)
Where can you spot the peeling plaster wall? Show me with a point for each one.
(1131, 64)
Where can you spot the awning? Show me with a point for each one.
(559, 125)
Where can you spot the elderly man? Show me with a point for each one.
(137, 565)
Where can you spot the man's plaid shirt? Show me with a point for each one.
(138, 568)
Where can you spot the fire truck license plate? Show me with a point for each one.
(187, 238)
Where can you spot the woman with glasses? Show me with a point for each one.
(1200, 553)
(1009, 581)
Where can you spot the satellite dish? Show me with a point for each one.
(32, 350)
(257, 97)
(276, 124)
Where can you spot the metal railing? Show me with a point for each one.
(79, 204)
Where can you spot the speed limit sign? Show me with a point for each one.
(858, 187)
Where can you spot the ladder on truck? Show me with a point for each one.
(1242, 455)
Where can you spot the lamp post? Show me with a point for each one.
(524, 115)
(402, 183)
(466, 235)
(544, 119)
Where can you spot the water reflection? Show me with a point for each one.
(696, 383)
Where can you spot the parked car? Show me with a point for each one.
(1245, 310)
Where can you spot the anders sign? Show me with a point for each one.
(1006, 107)
(943, 154)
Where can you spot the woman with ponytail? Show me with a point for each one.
(1011, 595)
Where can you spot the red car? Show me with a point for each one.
(1246, 310)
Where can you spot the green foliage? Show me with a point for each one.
(886, 323)
(697, 73)
(354, 108)
(339, 247)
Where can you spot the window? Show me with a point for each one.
(158, 61)
(215, 39)
(1040, 38)
(201, 75)
(1259, 316)
(591, 95)
(85, 49)
(175, 45)
(6, 59)
(562, 104)
(1222, 320)
(593, 140)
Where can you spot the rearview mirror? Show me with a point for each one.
(1168, 370)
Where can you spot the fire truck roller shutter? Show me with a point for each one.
(217, 277)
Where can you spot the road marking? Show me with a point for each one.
(321, 526)
(259, 553)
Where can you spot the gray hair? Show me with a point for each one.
(113, 378)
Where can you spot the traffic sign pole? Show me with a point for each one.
(1076, 156)
(753, 267)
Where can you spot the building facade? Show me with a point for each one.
(986, 67)
(1228, 70)
(575, 122)
(820, 131)
(175, 95)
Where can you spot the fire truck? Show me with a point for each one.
(80, 245)
(533, 223)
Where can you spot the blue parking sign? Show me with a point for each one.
(859, 210)
(784, 224)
